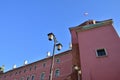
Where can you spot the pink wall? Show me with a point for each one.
(99, 68)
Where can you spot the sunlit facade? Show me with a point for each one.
(94, 55)
(98, 46)
(40, 70)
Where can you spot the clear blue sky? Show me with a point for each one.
(24, 25)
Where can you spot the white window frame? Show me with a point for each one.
(56, 74)
(34, 77)
(57, 59)
(27, 78)
(101, 49)
(41, 75)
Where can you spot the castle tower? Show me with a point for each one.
(96, 50)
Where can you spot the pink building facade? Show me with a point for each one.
(95, 55)
(40, 70)
(99, 50)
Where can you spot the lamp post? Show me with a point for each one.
(51, 37)
(2, 69)
(78, 71)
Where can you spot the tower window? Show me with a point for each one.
(101, 52)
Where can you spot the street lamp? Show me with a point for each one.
(57, 45)
(78, 71)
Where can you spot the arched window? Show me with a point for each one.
(28, 78)
(33, 77)
(42, 76)
(57, 72)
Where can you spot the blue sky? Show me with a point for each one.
(24, 25)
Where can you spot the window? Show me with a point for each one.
(58, 60)
(24, 70)
(42, 76)
(35, 67)
(5, 76)
(19, 72)
(33, 77)
(16, 73)
(10, 74)
(57, 72)
(28, 78)
(101, 52)
(30, 68)
(44, 64)
(22, 78)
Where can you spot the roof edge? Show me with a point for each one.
(62, 53)
(90, 26)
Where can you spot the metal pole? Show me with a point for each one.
(52, 60)
(78, 76)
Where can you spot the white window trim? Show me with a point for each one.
(101, 49)
(41, 74)
(55, 72)
(27, 77)
(57, 59)
(31, 77)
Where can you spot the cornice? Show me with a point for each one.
(39, 61)
(97, 24)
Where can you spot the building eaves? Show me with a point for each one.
(90, 24)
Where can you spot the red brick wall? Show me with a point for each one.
(65, 67)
